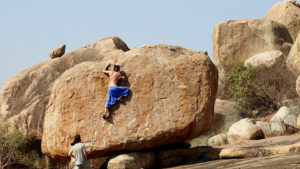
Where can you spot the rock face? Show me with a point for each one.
(244, 129)
(237, 40)
(58, 52)
(298, 85)
(266, 60)
(162, 108)
(293, 59)
(24, 97)
(287, 13)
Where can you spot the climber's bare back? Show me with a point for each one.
(114, 78)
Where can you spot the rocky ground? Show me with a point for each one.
(289, 161)
(275, 152)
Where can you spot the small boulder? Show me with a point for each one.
(218, 140)
(265, 60)
(277, 128)
(280, 115)
(58, 52)
(266, 127)
(134, 160)
(291, 120)
(244, 129)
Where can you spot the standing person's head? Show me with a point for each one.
(116, 68)
(77, 139)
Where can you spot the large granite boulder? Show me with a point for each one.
(237, 40)
(293, 59)
(287, 13)
(173, 91)
(24, 97)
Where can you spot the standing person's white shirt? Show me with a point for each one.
(78, 151)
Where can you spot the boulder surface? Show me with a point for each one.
(287, 13)
(237, 40)
(266, 60)
(135, 160)
(293, 59)
(173, 91)
(24, 97)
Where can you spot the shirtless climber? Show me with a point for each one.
(114, 93)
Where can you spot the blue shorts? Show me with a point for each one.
(113, 93)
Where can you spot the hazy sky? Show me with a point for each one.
(30, 29)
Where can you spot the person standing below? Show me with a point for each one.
(115, 92)
(79, 153)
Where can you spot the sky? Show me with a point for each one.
(30, 29)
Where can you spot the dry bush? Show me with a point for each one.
(262, 90)
(274, 85)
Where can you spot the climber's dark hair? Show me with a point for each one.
(116, 68)
(77, 139)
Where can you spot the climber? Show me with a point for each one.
(115, 92)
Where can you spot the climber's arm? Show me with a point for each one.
(105, 70)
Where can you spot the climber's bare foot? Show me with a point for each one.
(106, 115)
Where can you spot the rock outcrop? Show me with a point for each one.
(237, 40)
(24, 97)
(58, 52)
(173, 91)
(287, 13)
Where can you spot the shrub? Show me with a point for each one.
(239, 79)
(13, 152)
(263, 89)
